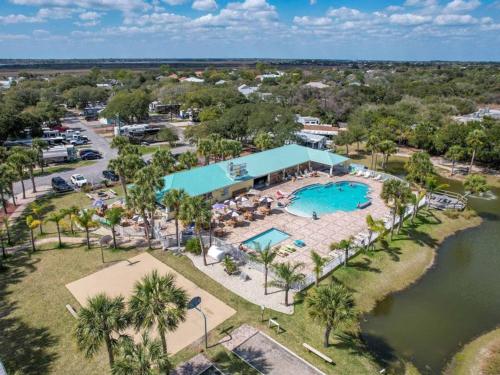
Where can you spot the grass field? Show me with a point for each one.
(37, 329)
(63, 167)
(479, 357)
(144, 150)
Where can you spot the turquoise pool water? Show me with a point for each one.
(324, 199)
(270, 237)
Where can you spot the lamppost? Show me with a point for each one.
(193, 304)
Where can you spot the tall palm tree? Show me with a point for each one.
(32, 157)
(395, 192)
(332, 306)
(345, 245)
(142, 358)
(2, 244)
(38, 145)
(70, 213)
(57, 218)
(99, 322)
(163, 160)
(19, 160)
(267, 256)
(158, 302)
(188, 160)
(475, 140)
(173, 200)
(37, 210)
(9, 175)
(120, 142)
(387, 148)
(150, 180)
(205, 148)
(287, 274)
(454, 153)
(415, 199)
(4, 186)
(372, 146)
(125, 166)
(6, 225)
(374, 226)
(475, 184)
(114, 216)
(84, 220)
(138, 201)
(318, 264)
(196, 210)
(32, 224)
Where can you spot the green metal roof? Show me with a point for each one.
(202, 180)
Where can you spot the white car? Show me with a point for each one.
(78, 180)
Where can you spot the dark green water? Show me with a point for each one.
(457, 300)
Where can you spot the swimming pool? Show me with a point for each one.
(270, 237)
(324, 199)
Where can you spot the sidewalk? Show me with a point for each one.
(30, 197)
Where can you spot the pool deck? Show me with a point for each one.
(317, 234)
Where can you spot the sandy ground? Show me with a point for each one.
(119, 279)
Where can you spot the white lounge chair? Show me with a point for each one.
(378, 177)
(360, 173)
(367, 174)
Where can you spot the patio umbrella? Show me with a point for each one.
(247, 204)
(235, 214)
(232, 203)
(218, 206)
(266, 200)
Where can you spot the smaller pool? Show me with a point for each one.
(270, 237)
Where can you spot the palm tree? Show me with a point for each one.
(344, 139)
(332, 306)
(475, 140)
(396, 193)
(6, 225)
(125, 166)
(387, 148)
(263, 141)
(345, 245)
(475, 184)
(206, 148)
(173, 200)
(32, 157)
(163, 160)
(454, 153)
(372, 146)
(32, 224)
(318, 262)
(114, 216)
(158, 302)
(99, 322)
(38, 145)
(188, 160)
(70, 213)
(141, 358)
(9, 175)
(37, 210)
(84, 220)
(415, 199)
(267, 255)
(138, 201)
(57, 218)
(419, 167)
(287, 275)
(196, 210)
(120, 142)
(234, 148)
(374, 226)
(19, 160)
(4, 186)
(2, 245)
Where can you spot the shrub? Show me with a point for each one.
(452, 214)
(193, 246)
(229, 265)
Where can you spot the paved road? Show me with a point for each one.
(93, 172)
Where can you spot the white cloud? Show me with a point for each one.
(18, 18)
(56, 13)
(455, 19)
(409, 19)
(6, 37)
(124, 5)
(204, 5)
(456, 6)
(312, 2)
(421, 3)
(89, 16)
(155, 19)
(312, 21)
(344, 13)
(174, 2)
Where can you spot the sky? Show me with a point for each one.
(308, 29)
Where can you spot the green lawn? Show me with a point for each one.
(37, 329)
(144, 150)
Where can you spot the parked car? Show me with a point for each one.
(110, 175)
(84, 151)
(78, 180)
(60, 185)
(90, 156)
(77, 142)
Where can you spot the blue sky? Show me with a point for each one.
(329, 29)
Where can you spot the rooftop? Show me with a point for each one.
(203, 180)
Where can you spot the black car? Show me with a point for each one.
(110, 175)
(90, 156)
(84, 151)
(59, 185)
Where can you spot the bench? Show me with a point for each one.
(72, 311)
(318, 353)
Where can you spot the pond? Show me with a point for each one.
(457, 300)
